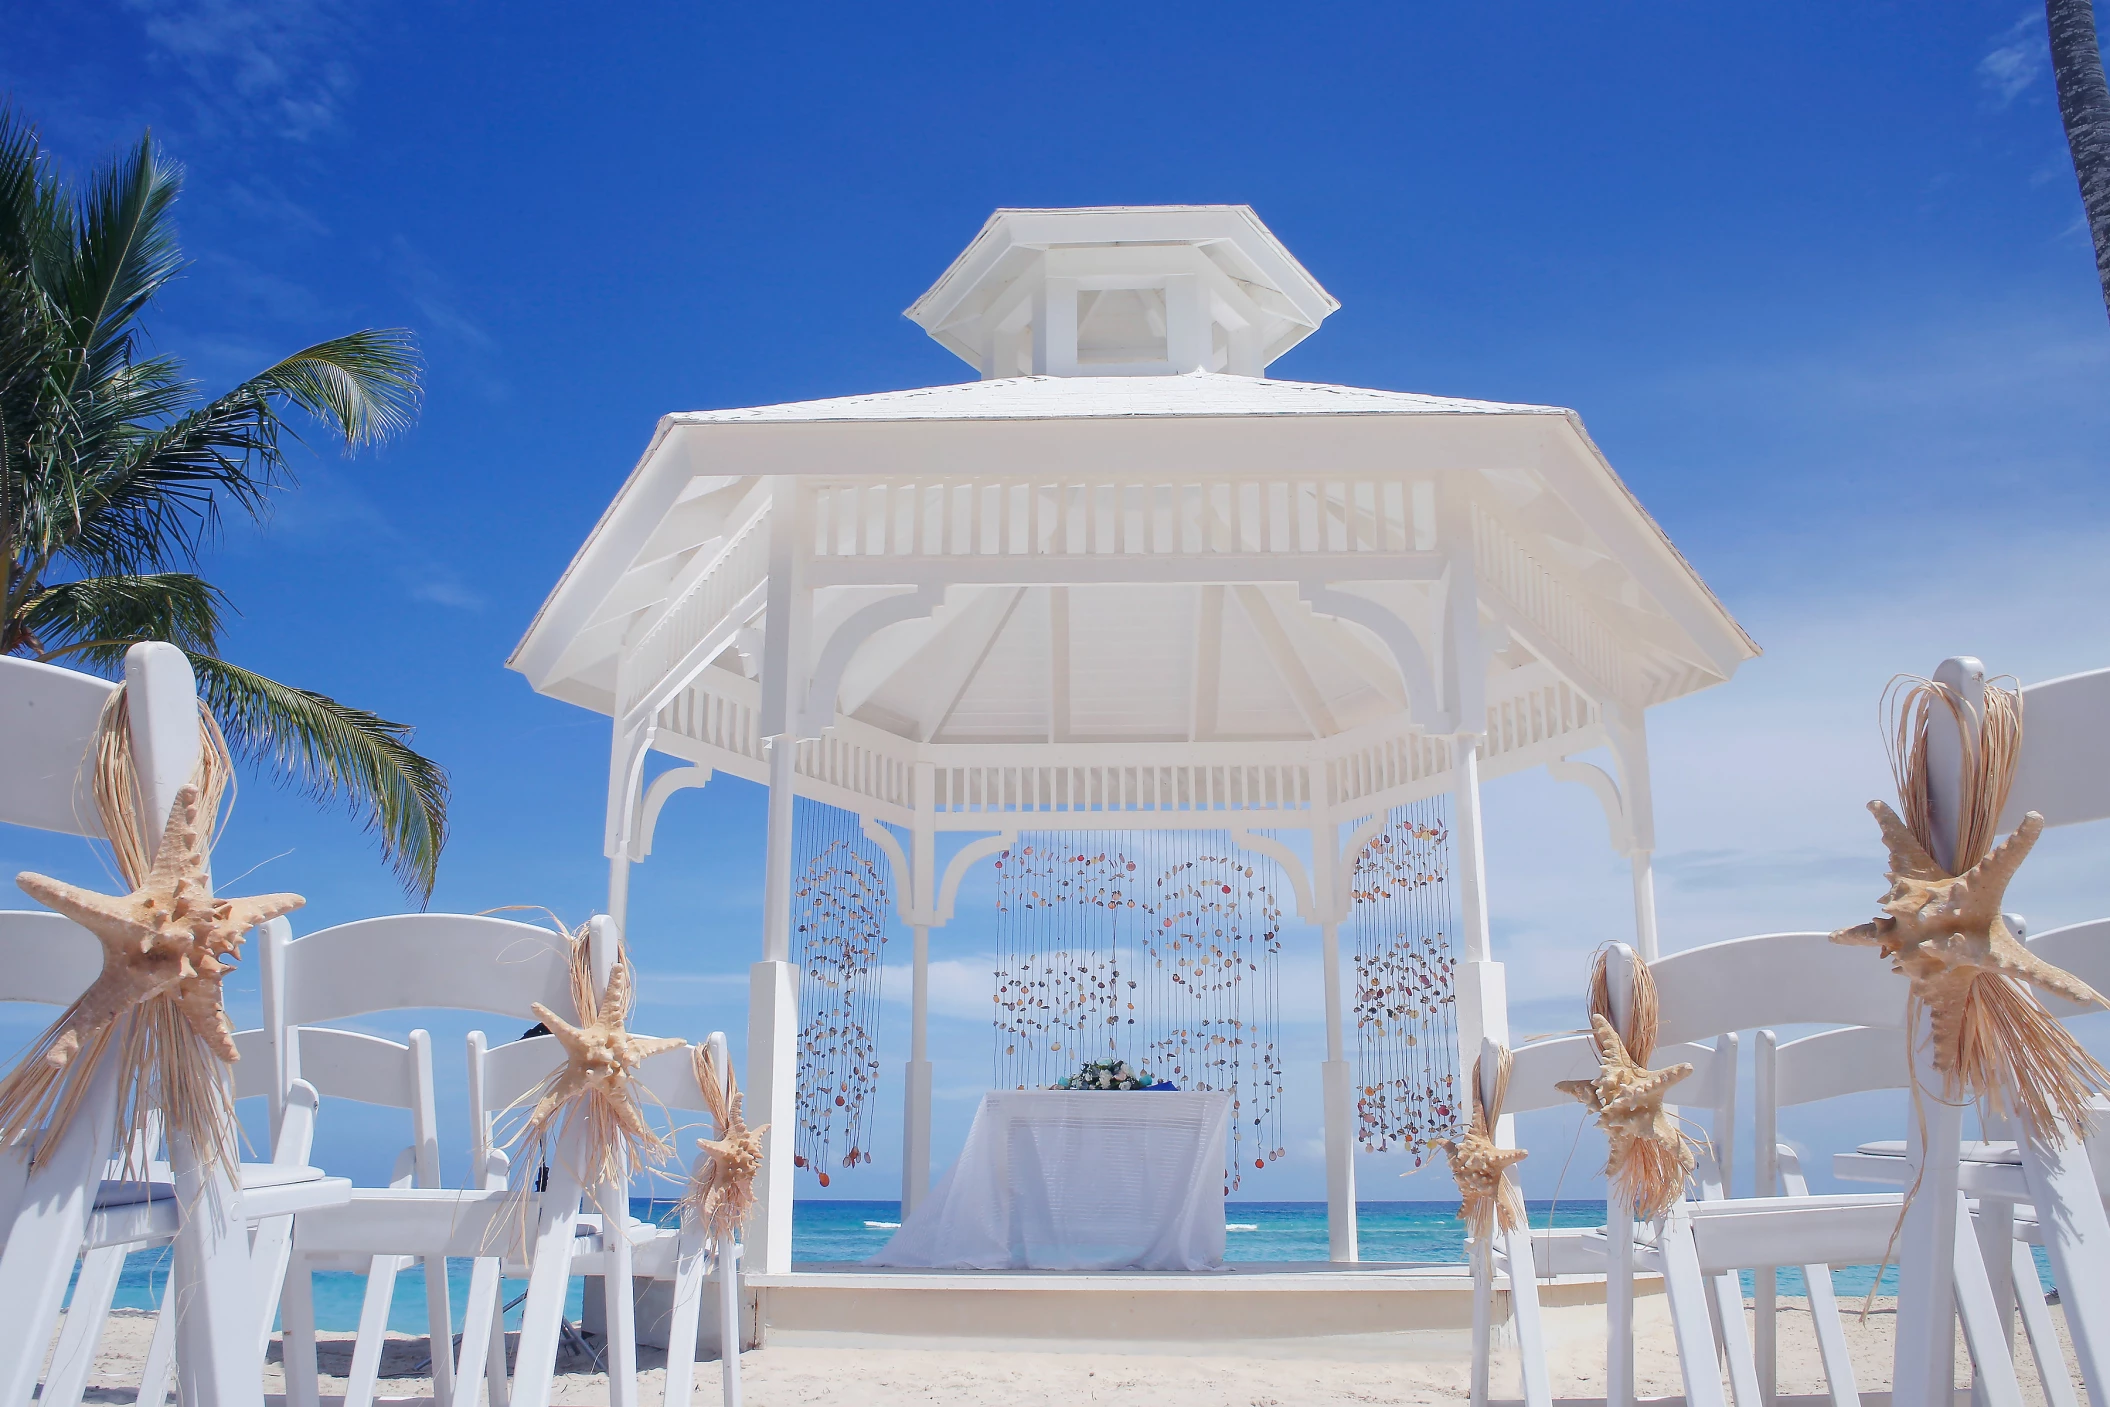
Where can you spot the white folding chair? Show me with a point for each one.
(66, 1204)
(366, 1069)
(1779, 980)
(465, 963)
(610, 1245)
(1535, 1069)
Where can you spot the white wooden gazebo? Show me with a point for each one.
(1123, 581)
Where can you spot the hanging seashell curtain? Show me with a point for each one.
(1159, 948)
(839, 905)
(1406, 1038)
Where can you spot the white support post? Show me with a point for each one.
(772, 1064)
(1619, 1225)
(1645, 907)
(1336, 1078)
(773, 1025)
(1189, 333)
(1482, 994)
(1339, 1091)
(1924, 1372)
(915, 1112)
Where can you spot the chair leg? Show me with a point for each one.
(1524, 1313)
(1765, 1331)
(1993, 1380)
(1686, 1289)
(45, 1236)
(2069, 1204)
(218, 1358)
(66, 1379)
(373, 1331)
(1481, 1259)
(619, 1300)
(1734, 1338)
(549, 1274)
(297, 1342)
(158, 1374)
(477, 1321)
(1831, 1336)
(270, 1252)
(1619, 1303)
(2044, 1343)
(495, 1374)
(691, 1265)
(439, 1329)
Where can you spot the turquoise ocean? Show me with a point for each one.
(844, 1231)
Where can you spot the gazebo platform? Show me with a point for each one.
(1265, 1308)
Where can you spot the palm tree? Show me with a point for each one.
(114, 471)
(2084, 106)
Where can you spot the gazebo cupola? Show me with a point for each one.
(1125, 582)
(1123, 291)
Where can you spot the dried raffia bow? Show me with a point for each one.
(1944, 931)
(1487, 1195)
(721, 1191)
(167, 948)
(596, 1090)
(1648, 1156)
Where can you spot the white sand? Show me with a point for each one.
(894, 1377)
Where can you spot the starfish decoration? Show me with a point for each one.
(723, 1187)
(1940, 930)
(601, 1058)
(1628, 1102)
(1481, 1167)
(168, 935)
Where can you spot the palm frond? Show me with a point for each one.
(96, 619)
(124, 253)
(364, 385)
(35, 225)
(334, 752)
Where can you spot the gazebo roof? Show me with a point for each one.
(980, 667)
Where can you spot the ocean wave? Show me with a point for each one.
(884, 1225)
(1228, 1226)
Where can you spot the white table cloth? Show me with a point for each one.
(1069, 1180)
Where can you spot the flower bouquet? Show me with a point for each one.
(1110, 1074)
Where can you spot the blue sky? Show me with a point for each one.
(1815, 276)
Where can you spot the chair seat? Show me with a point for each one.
(1995, 1152)
(282, 1192)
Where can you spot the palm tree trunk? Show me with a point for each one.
(2084, 105)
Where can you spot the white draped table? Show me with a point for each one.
(1069, 1180)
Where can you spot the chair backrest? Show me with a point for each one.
(1830, 1064)
(501, 1076)
(456, 962)
(45, 958)
(48, 719)
(364, 1069)
(459, 962)
(2063, 773)
(1774, 979)
(2082, 949)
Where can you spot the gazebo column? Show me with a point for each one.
(1629, 740)
(1482, 989)
(772, 992)
(915, 1093)
(923, 916)
(1338, 1082)
(1336, 1077)
(773, 1026)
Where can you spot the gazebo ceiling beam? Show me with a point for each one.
(1058, 664)
(974, 636)
(1289, 668)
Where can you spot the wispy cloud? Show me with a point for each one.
(2019, 57)
(330, 511)
(278, 68)
(441, 311)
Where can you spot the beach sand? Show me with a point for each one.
(1304, 1376)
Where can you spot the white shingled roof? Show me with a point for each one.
(1198, 393)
